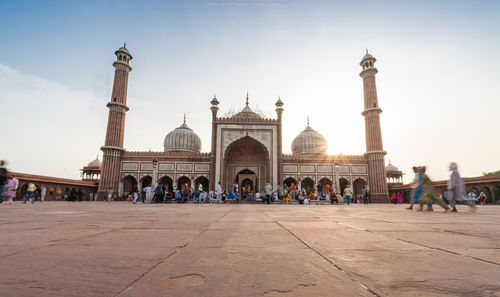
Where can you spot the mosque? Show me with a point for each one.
(246, 148)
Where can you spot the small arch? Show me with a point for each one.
(119, 57)
(343, 183)
(288, 181)
(182, 181)
(129, 184)
(146, 180)
(167, 182)
(323, 182)
(203, 181)
(307, 183)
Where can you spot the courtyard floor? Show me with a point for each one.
(121, 249)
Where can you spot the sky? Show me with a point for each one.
(438, 82)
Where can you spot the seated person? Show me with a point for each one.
(230, 195)
(178, 196)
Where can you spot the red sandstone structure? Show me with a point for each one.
(246, 148)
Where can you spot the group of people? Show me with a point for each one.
(8, 184)
(423, 191)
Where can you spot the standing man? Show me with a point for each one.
(110, 195)
(218, 190)
(30, 193)
(147, 191)
(269, 190)
(91, 196)
(417, 187)
(42, 193)
(347, 195)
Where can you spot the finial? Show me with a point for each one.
(367, 50)
(307, 121)
(125, 44)
(247, 99)
(279, 97)
(184, 118)
(215, 97)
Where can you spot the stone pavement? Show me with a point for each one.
(121, 249)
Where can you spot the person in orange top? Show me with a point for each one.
(327, 192)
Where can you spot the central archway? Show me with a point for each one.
(246, 154)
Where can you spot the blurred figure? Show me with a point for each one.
(347, 195)
(399, 198)
(428, 195)
(30, 193)
(482, 198)
(10, 188)
(3, 178)
(417, 187)
(456, 188)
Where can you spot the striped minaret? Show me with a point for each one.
(374, 149)
(113, 144)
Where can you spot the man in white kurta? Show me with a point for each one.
(218, 190)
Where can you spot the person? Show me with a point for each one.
(319, 191)
(394, 198)
(472, 197)
(445, 197)
(334, 198)
(80, 195)
(399, 198)
(230, 195)
(135, 194)
(218, 190)
(279, 192)
(30, 193)
(327, 192)
(306, 200)
(348, 195)
(10, 188)
(110, 195)
(456, 188)
(3, 178)
(43, 191)
(147, 191)
(417, 187)
(293, 190)
(200, 187)
(428, 196)
(482, 198)
(178, 196)
(287, 197)
(158, 197)
(364, 192)
(91, 196)
(235, 189)
(268, 189)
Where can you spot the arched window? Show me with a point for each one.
(119, 57)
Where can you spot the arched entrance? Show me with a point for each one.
(323, 182)
(183, 180)
(247, 181)
(203, 181)
(246, 154)
(496, 192)
(343, 183)
(358, 185)
(307, 183)
(167, 182)
(289, 182)
(146, 181)
(129, 184)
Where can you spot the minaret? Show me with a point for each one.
(113, 144)
(214, 108)
(374, 149)
(279, 112)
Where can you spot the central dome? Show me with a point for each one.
(309, 141)
(182, 139)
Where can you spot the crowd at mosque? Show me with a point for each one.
(283, 193)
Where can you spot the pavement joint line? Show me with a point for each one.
(178, 248)
(352, 278)
(61, 241)
(423, 245)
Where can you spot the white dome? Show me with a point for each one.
(95, 163)
(390, 167)
(309, 142)
(182, 139)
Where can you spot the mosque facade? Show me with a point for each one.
(246, 148)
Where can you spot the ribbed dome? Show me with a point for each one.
(182, 139)
(95, 163)
(390, 167)
(309, 142)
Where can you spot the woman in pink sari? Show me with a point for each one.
(399, 198)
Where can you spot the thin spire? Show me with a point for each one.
(215, 96)
(367, 50)
(184, 118)
(247, 99)
(125, 44)
(307, 121)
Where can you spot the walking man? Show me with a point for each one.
(269, 190)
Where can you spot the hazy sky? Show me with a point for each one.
(438, 81)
